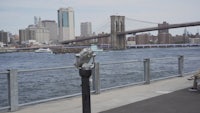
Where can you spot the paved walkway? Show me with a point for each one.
(181, 101)
(112, 98)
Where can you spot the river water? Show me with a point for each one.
(38, 85)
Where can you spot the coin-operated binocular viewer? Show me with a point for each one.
(85, 70)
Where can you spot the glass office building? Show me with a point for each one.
(66, 25)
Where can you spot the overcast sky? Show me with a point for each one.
(18, 14)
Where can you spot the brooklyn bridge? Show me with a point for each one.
(118, 33)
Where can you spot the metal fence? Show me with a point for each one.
(121, 73)
(25, 87)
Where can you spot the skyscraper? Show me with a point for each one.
(86, 29)
(51, 25)
(66, 23)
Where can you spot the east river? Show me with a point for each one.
(38, 85)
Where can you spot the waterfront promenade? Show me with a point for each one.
(111, 98)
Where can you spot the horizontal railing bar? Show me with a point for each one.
(5, 72)
(160, 71)
(44, 69)
(162, 78)
(4, 108)
(50, 99)
(175, 58)
(191, 56)
(130, 61)
(121, 86)
(119, 62)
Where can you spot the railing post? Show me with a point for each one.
(13, 89)
(147, 71)
(96, 79)
(180, 65)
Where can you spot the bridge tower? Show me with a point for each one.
(117, 25)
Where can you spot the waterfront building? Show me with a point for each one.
(164, 37)
(1, 44)
(130, 41)
(4, 37)
(51, 25)
(25, 35)
(42, 35)
(142, 39)
(39, 34)
(34, 32)
(104, 41)
(180, 39)
(86, 29)
(66, 24)
(194, 40)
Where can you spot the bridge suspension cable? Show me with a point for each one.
(104, 27)
(142, 21)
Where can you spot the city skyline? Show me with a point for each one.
(98, 12)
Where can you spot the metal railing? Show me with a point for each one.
(58, 77)
(167, 65)
(112, 73)
(145, 71)
(13, 87)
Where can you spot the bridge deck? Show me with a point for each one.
(112, 98)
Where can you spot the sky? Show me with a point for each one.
(18, 14)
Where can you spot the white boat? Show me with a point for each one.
(42, 50)
(95, 48)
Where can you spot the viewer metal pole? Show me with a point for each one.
(85, 71)
(85, 75)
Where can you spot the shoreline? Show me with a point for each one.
(62, 50)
